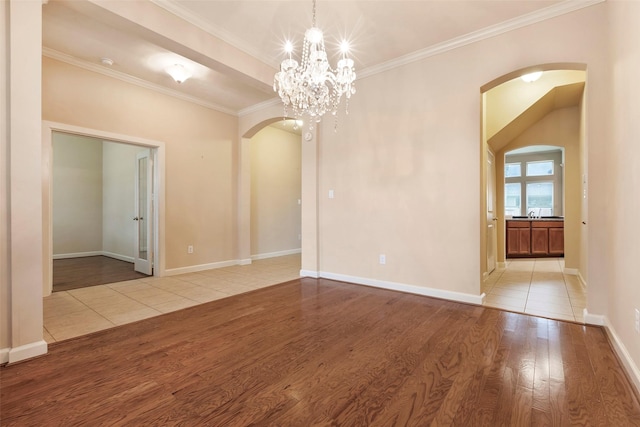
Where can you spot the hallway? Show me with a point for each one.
(536, 286)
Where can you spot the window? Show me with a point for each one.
(540, 198)
(541, 168)
(512, 197)
(512, 170)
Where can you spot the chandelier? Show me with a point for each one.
(312, 87)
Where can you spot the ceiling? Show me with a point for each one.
(234, 47)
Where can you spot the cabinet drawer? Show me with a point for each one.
(518, 224)
(547, 224)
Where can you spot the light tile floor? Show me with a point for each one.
(536, 286)
(82, 311)
(533, 286)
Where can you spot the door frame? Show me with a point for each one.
(157, 156)
(491, 206)
(145, 265)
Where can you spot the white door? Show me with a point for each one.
(492, 220)
(143, 251)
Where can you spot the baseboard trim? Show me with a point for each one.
(200, 267)
(309, 273)
(95, 253)
(77, 255)
(594, 319)
(27, 351)
(119, 257)
(402, 287)
(246, 261)
(571, 271)
(501, 264)
(276, 254)
(4, 355)
(582, 281)
(626, 359)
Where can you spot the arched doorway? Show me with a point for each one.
(516, 115)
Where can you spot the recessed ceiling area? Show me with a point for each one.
(233, 48)
(515, 105)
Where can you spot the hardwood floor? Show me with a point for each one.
(75, 273)
(320, 352)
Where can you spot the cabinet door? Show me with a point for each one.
(525, 241)
(556, 241)
(539, 241)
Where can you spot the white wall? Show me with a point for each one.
(275, 191)
(77, 195)
(118, 199)
(93, 197)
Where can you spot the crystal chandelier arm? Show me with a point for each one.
(313, 87)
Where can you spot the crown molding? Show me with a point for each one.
(556, 10)
(63, 57)
(260, 106)
(182, 12)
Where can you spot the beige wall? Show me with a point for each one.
(22, 265)
(405, 164)
(621, 250)
(199, 189)
(559, 128)
(77, 195)
(275, 191)
(5, 278)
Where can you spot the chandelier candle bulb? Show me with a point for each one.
(313, 87)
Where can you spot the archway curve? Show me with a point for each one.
(263, 124)
(554, 66)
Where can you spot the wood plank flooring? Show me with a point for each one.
(319, 352)
(75, 273)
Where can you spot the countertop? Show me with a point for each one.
(542, 218)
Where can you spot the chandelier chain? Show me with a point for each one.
(313, 22)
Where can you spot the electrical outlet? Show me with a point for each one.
(190, 249)
(383, 259)
(637, 321)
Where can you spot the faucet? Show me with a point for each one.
(530, 214)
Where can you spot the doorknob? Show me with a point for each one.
(135, 219)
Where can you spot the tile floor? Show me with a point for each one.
(78, 312)
(536, 286)
(533, 286)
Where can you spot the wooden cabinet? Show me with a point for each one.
(518, 238)
(539, 240)
(556, 241)
(534, 238)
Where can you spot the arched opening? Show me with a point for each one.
(275, 190)
(535, 132)
(308, 195)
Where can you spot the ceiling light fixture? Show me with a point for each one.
(312, 87)
(106, 61)
(178, 72)
(531, 77)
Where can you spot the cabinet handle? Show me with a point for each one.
(584, 223)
